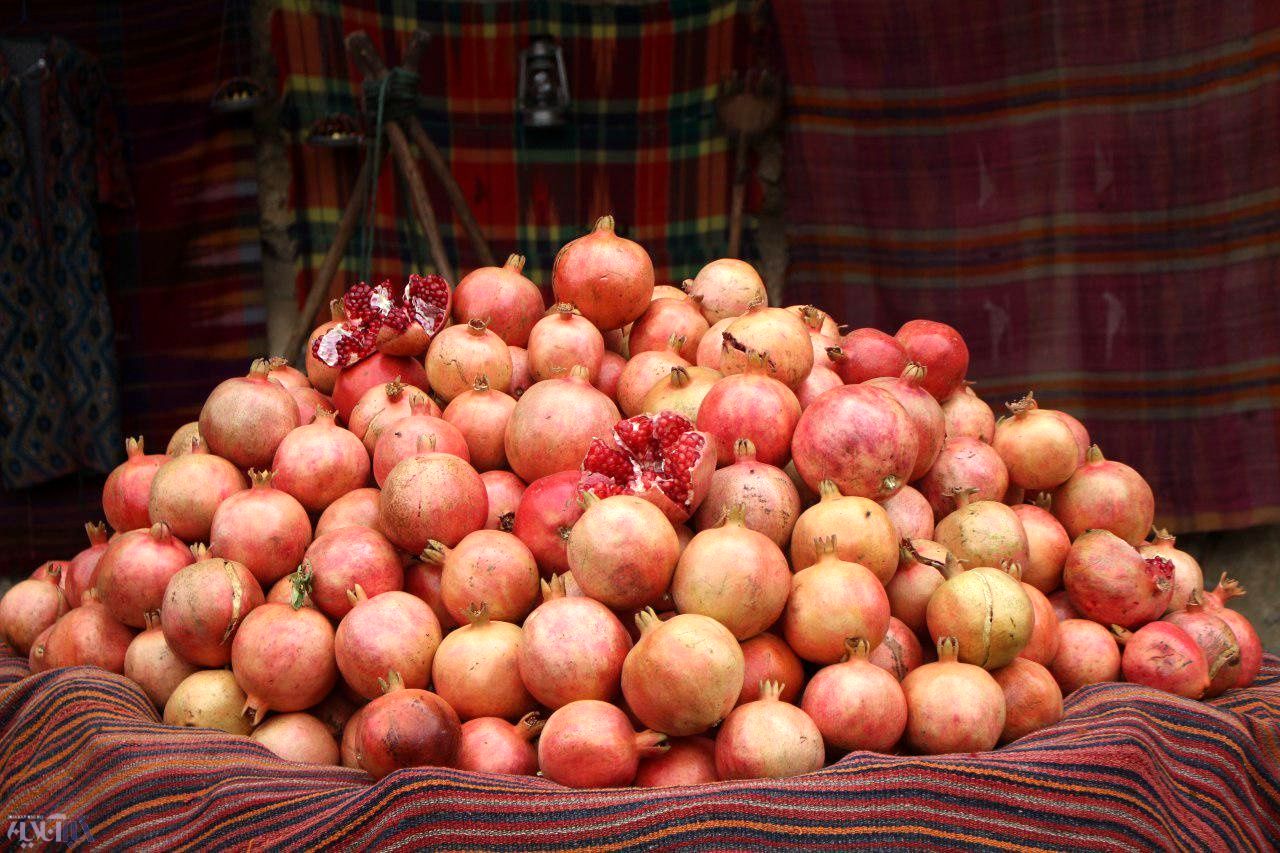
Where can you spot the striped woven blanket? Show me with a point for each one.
(1128, 768)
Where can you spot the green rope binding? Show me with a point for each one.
(396, 96)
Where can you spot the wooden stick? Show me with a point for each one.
(739, 197)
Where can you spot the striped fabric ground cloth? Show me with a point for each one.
(1127, 769)
(1088, 190)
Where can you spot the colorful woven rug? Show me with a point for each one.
(1127, 769)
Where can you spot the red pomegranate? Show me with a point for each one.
(128, 487)
(1043, 645)
(81, 572)
(1047, 547)
(460, 354)
(684, 674)
(1110, 582)
(504, 491)
(136, 568)
(831, 601)
(378, 369)
(768, 498)
(767, 657)
(920, 572)
(1216, 639)
(952, 706)
(590, 744)
(643, 372)
(856, 704)
(1036, 446)
(923, 411)
(153, 666)
(320, 462)
(986, 611)
(358, 508)
(553, 424)
(726, 288)
(481, 416)
(1032, 699)
(309, 401)
(387, 404)
(493, 745)
(180, 441)
(431, 496)
(610, 373)
(668, 318)
(547, 512)
(622, 551)
(866, 534)
(899, 652)
(477, 671)
(1105, 495)
(609, 278)
(87, 636)
(1087, 654)
(768, 739)
(204, 604)
(423, 580)
(941, 350)
(982, 533)
(910, 512)
(298, 737)
(284, 374)
(28, 608)
(282, 658)
(208, 699)
(489, 566)
(687, 761)
(1062, 608)
(509, 301)
(817, 321)
(346, 557)
(321, 375)
(521, 378)
(246, 418)
(754, 406)
(682, 391)
(777, 336)
(419, 433)
(819, 381)
(573, 649)
(262, 527)
(187, 491)
(406, 727)
(709, 348)
(867, 354)
(1163, 656)
(415, 404)
(963, 463)
(967, 415)
(390, 632)
(860, 437)
(1246, 636)
(1188, 577)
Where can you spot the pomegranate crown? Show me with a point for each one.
(370, 310)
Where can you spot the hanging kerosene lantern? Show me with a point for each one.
(543, 94)
(237, 92)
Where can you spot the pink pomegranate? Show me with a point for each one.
(668, 318)
(866, 535)
(590, 744)
(868, 354)
(246, 418)
(504, 491)
(386, 404)
(153, 666)
(321, 375)
(968, 416)
(910, 512)
(817, 321)
(681, 391)
(128, 487)
(521, 378)
(179, 443)
(1078, 430)
(1188, 577)
(669, 291)
(554, 423)
(309, 401)
(920, 572)
(411, 403)
(423, 580)
(1216, 639)
(349, 739)
(136, 568)
(431, 496)
(982, 533)
(573, 649)
(81, 572)
(320, 462)
(1043, 645)
(419, 433)
(768, 739)
(350, 556)
(481, 415)
(1036, 446)
(963, 463)
(684, 675)
(766, 494)
(856, 704)
(709, 348)
(1246, 636)
(609, 278)
(298, 737)
(378, 369)
(726, 288)
(1105, 495)
(547, 512)
(406, 727)
(357, 508)
(1047, 547)
(831, 601)
(1061, 603)
(644, 370)
(952, 706)
(460, 354)
(1163, 656)
(509, 301)
(623, 551)
(477, 669)
(751, 405)
(819, 381)
(204, 604)
(1087, 654)
(286, 375)
(28, 608)
(1032, 699)
(263, 528)
(187, 490)
(860, 437)
(941, 350)
(688, 761)
(923, 411)
(335, 710)
(777, 336)
(87, 636)
(390, 632)
(489, 566)
(767, 657)
(493, 745)
(1110, 582)
(986, 611)
(282, 658)
(208, 699)
(899, 652)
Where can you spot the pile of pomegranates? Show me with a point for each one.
(629, 534)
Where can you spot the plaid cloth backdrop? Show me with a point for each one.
(1089, 191)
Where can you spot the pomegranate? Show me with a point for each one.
(1043, 644)
(866, 535)
(1087, 654)
(573, 649)
(481, 415)
(349, 740)
(28, 608)
(1047, 547)
(1032, 699)
(335, 710)
(187, 490)
(941, 350)
(489, 566)
(492, 745)
(952, 706)
(860, 437)
(920, 571)
(246, 418)
(1037, 447)
(1188, 577)
(1163, 656)
(733, 574)
(963, 463)
(899, 652)
(768, 739)
(982, 533)
(390, 632)
(660, 458)
(394, 398)
(726, 288)
(477, 669)
(830, 601)
(708, 354)
(419, 433)
(460, 354)
(817, 321)
(1216, 639)
(856, 704)
(423, 580)
(967, 415)
(521, 378)
(767, 657)
(754, 406)
(504, 491)
(136, 568)
(681, 391)
(382, 322)
(87, 636)
(282, 658)
(378, 369)
(668, 318)
(406, 727)
(204, 604)
(128, 487)
(346, 557)
(298, 737)
(179, 444)
(412, 402)
(986, 611)
(208, 699)
(1061, 603)
(286, 375)
(502, 296)
(644, 371)
(321, 375)
(687, 761)
(609, 278)
(81, 572)
(309, 401)
(819, 381)
(1110, 582)
(1246, 636)
(910, 512)
(590, 744)
(547, 512)
(923, 411)
(263, 528)
(684, 674)
(622, 551)
(431, 496)
(553, 424)
(778, 337)
(153, 666)
(357, 508)
(1105, 495)
(868, 354)
(768, 498)
(320, 462)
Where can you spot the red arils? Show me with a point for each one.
(375, 315)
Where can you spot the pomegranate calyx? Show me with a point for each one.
(856, 648)
(301, 581)
(393, 681)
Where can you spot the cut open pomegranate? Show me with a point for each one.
(659, 457)
(378, 319)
